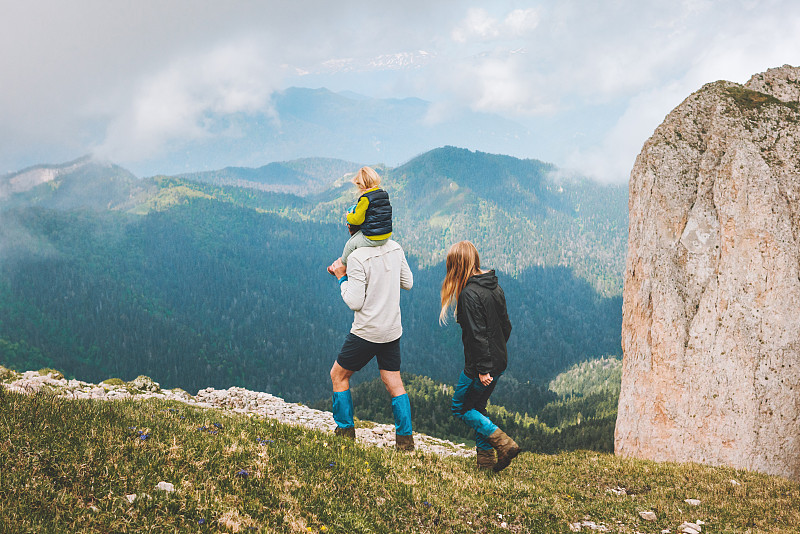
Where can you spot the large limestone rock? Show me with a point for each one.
(711, 312)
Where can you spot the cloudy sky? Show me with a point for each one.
(123, 79)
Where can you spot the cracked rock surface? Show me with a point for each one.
(711, 300)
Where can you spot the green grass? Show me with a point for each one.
(67, 466)
(747, 99)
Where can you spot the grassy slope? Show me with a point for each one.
(66, 466)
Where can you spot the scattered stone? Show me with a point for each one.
(131, 497)
(165, 486)
(734, 483)
(181, 394)
(692, 502)
(591, 525)
(94, 508)
(690, 528)
(648, 516)
(617, 491)
(234, 399)
(34, 381)
(145, 383)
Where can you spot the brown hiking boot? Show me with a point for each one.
(486, 459)
(506, 448)
(346, 432)
(404, 443)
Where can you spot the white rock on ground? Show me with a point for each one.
(234, 399)
(690, 528)
(165, 486)
(591, 525)
(648, 515)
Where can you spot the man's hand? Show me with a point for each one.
(485, 379)
(337, 268)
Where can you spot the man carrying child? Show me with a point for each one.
(370, 285)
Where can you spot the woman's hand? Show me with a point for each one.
(485, 379)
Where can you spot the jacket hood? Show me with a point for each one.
(487, 280)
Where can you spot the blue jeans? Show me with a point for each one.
(469, 405)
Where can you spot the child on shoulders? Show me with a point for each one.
(371, 215)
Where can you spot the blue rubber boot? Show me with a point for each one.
(343, 414)
(401, 408)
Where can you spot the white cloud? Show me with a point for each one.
(177, 104)
(129, 76)
(737, 50)
(521, 21)
(479, 24)
(582, 59)
(135, 78)
(501, 86)
(611, 158)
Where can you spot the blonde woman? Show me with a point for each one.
(480, 310)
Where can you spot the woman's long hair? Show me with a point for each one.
(462, 262)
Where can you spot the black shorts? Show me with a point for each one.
(357, 352)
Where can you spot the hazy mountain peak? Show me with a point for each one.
(27, 179)
(85, 182)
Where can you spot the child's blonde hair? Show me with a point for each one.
(462, 262)
(366, 178)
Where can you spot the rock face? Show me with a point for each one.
(711, 302)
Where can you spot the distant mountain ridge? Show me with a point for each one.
(300, 177)
(303, 123)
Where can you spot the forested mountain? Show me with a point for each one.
(518, 213)
(200, 284)
(300, 177)
(521, 214)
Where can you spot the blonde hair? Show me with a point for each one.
(366, 178)
(462, 262)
